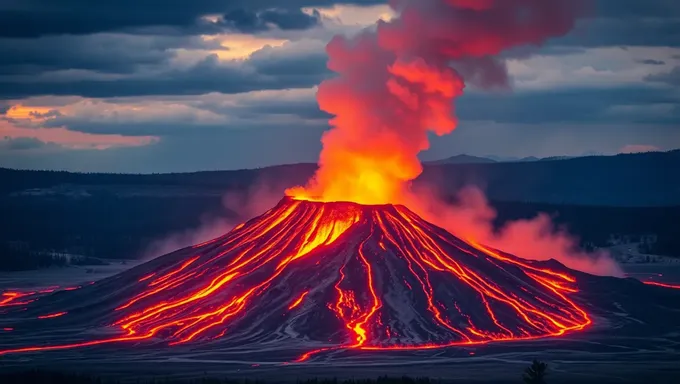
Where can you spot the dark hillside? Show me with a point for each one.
(647, 179)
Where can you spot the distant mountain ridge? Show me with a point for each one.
(471, 159)
(627, 180)
(462, 159)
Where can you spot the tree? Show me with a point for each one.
(535, 373)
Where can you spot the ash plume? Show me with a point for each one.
(398, 82)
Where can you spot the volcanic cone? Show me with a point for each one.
(335, 275)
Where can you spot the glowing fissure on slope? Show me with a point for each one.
(11, 298)
(421, 253)
(323, 234)
(664, 285)
(179, 304)
(298, 301)
(14, 298)
(52, 315)
(349, 310)
(424, 280)
(184, 313)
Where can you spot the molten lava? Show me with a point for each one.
(346, 275)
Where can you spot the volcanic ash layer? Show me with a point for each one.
(335, 275)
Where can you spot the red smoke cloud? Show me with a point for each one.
(396, 83)
(472, 217)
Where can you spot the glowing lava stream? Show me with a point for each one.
(664, 285)
(456, 292)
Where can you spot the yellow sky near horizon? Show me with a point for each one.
(239, 46)
(20, 112)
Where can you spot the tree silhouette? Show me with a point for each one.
(535, 373)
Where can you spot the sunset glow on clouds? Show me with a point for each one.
(240, 74)
(71, 139)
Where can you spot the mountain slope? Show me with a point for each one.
(318, 277)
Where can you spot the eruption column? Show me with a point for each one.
(397, 83)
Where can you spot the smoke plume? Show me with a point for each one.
(471, 218)
(396, 83)
(238, 207)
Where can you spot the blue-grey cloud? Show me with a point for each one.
(20, 143)
(636, 8)
(627, 23)
(652, 62)
(620, 31)
(670, 78)
(579, 105)
(104, 53)
(280, 70)
(45, 17)
(250, 21)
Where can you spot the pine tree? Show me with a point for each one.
(535, 373)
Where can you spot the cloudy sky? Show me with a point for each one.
(155, 86)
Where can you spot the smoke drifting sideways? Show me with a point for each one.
(239, 207)
(399, 81)
(471, 218)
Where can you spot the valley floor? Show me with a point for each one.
(583, 358)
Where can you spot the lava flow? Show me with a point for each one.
(342, 275)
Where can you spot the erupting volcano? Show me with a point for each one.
(342, 263)
(344, 275)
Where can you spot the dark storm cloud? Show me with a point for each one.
(584, 105)
(275, 68)
(108, 53)
(652, 62)
(627, 22)
(599, 32)
(637, 8)
(20, 143)
(523, 52)
(302, 109)
(670, 78)
(32, 18)
(49, 114)
(278, 61)
(248, 21)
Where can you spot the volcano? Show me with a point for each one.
(336, 275)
